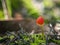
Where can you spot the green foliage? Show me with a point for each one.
(13, 5)
(16, 4)
(1, 11)
(32, 12)
(1, 15)
(35, 39)
(57, 41)
(48, 3)
(8, 2)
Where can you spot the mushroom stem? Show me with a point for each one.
(42, 32)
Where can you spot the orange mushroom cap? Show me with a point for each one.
(40, 20)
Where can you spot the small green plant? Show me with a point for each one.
(23, 39)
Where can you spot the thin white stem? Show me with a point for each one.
(5, 9)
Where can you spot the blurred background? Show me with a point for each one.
(28, 11)
(30, 8)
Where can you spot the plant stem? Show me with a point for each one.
(42, 32)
